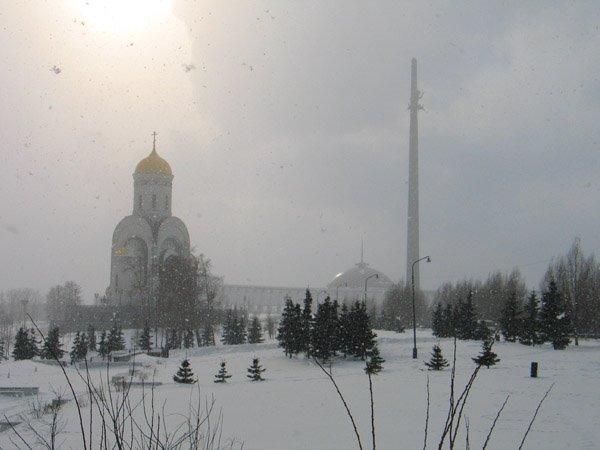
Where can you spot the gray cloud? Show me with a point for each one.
(288, 136)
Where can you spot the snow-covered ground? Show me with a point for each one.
(297, 406)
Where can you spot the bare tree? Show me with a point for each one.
(578, 280)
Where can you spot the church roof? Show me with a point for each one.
(153, 164)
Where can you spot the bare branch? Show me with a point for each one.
(343, 401)
(489, 435)
(426, 417)
(535, 415)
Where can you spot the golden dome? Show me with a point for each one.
(153, 164)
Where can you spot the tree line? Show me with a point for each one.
(532, 323)
(333, 330)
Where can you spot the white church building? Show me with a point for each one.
(143, 240)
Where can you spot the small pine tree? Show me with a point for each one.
(91, 338)
(487, 357)
(222, 375)
(255, 332)
(255, 371)
(2, 355)
(52, 348)
(375, 362)
(184, 373)
(437, 361)
(145, 340)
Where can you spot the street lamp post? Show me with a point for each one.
(412, 276)
(376, 275)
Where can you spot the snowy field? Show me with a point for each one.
(297, 406)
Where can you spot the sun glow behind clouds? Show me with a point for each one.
(121, 16)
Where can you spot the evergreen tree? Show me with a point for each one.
(324, 330)
(555, 324)
(33, 343)
(145, 340)
(362, 335)
(466, 319)
(530, 332)
(222, 375)
(449, 320)
(487, 357)
(184, 373)
(375, 362)
(79, 348)
(241, 325)
(289, 331)
(344, 341)
(255, 332)
(103, 349)
(115, 339)
(227, 332)
(306, 324)
(437, 361)
(188, 339)
(208, 334)
(22, 348)
(52, 348)
(437, 321)
(255, 371)
(234, 327)
(91, 338)
(2, 356)
(483, 332)
(510, 324)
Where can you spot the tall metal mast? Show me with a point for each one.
(412, 244)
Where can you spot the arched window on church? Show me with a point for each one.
(166, 202)
(140, 201)
(153, 201)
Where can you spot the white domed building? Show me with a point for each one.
(358, 283)
(143, 241)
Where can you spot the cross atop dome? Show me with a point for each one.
(153, 163)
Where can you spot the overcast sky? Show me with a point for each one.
(286, 126)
